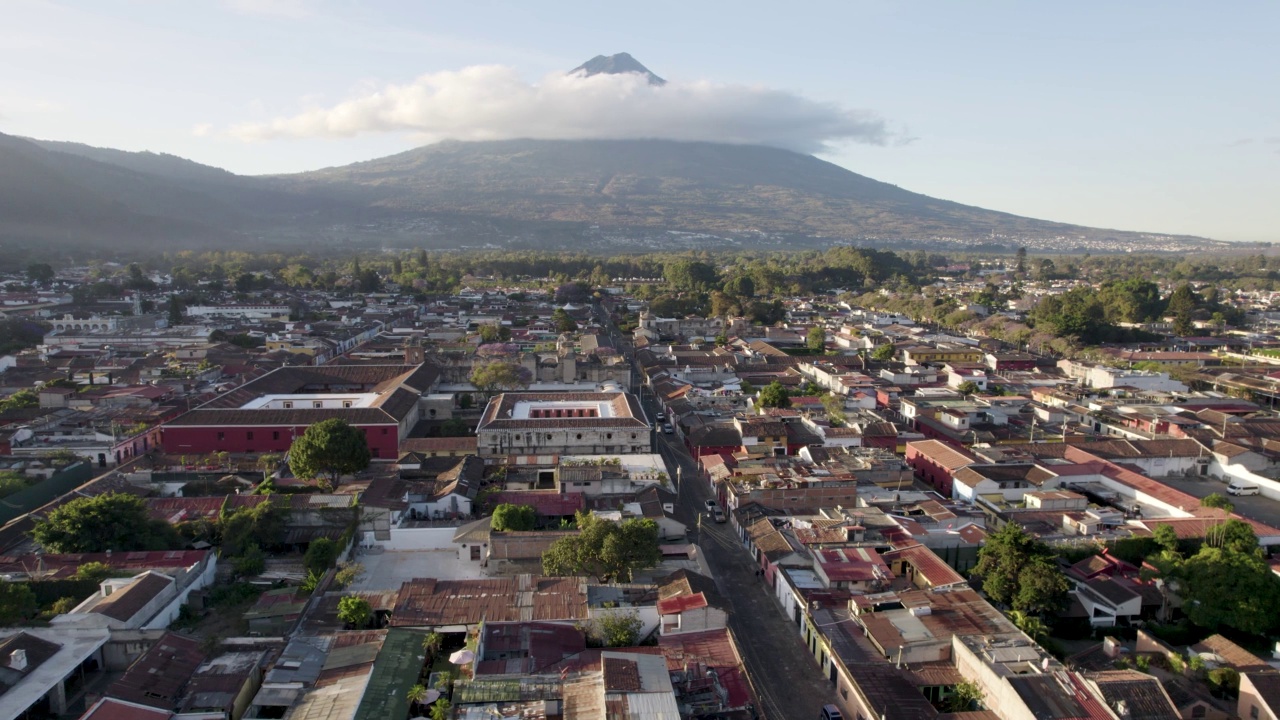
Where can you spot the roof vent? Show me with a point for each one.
(18, 660)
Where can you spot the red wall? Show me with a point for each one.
(384, 440)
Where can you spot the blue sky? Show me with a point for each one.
(1159, 116)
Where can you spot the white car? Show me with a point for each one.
(667, 429)
(711, 505)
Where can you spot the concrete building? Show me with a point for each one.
(563, 424)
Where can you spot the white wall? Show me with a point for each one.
(648, 615)
(420, 539)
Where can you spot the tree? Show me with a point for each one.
(1167, 538)
(1218, 501)
(1032, 625)
(40, 273)
(1021, 264)
(1226, 680)
(494, 333)
(492, 377)
(966, 697)
(616, 629)
(747, 388)
(774, 395)
(348, 573)
(816, 340)
(330, 449)
(883, 353)
(514, 517)
(834, 405)
(268, 463)
(113, 521)
(563, 321)
(262, 525)
(17, 603)
(416, 695)
(605, 550)
(432, 643)
(968, 387)
(1182, 324)
(441, 709)
(1042, 588)
(251, 561)
(354, 611)
(1223, 586)
(320, 556)
(1001, 563)
(94, 572)
(21, 399)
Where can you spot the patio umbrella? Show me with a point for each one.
(432, 696)
(462, 657)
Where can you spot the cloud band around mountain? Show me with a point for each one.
(491, 102)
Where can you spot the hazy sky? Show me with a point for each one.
(1160, 116)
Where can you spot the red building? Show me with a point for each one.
(936, 462)
(266, 414)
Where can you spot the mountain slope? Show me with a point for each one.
(697, 187)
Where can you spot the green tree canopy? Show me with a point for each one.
(1018, 570)
(40, 272)
(883, 353)
(494, 332)
(774, 395)
(514, 517)
(605, 550)
(816, 340)
(563, 321)
(1221, 586)
(354, 611)
(329, 449)
(113, 521)
(617, 629)
(262, 525)
(321, 554)
(17, 603)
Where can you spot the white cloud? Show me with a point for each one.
(491, 102)
(202, 130)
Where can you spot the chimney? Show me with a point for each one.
(18, 660)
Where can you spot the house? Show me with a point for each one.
(689, 602)
(158, 678)
(451, 494)
(859, 569)
(1259, 696)
(937, 462)
(127, 604)
(43, 670)
(1132, 695)
(1108, 602)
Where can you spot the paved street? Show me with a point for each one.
(786, 677)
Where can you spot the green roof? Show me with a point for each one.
(395, 670)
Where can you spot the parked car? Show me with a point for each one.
(719, 515)
(1239, 487)
(667, 429)
(830, 712)
(711, 504)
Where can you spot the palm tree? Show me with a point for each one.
(416, 694)
(1032, 625)
(431, 643)
(440, 710)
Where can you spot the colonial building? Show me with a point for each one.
(563, 424)
(266, 414)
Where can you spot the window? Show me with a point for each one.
(248, 435)
(1253, 711)
(275, 434)
(222, 436)
(579, 436)
(608, 436)
(288, 405)
(475, 553)
(384, 431)
(317, 404)
(548, 436)
(346, 403)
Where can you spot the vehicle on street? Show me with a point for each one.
(718, 515)
(830, 712)
(1239, 487)
(661, 416)
(667, 429)
(711, 504)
